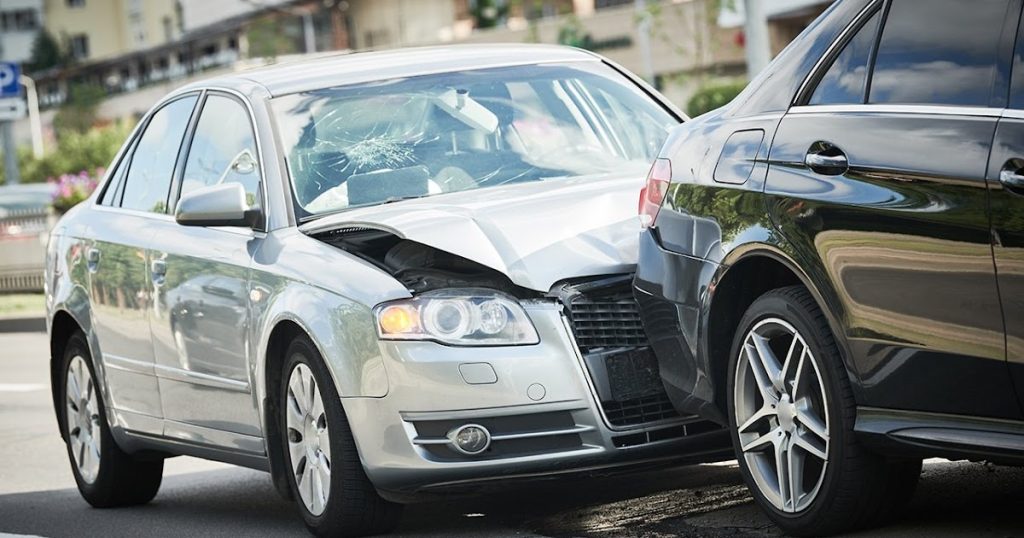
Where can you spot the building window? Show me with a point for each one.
(79, 46)
(76, 3)
(21, 20)
(602, 4)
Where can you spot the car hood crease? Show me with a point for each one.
(537, 234)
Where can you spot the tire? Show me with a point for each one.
(851, 487)
(114, 478)
(353, 507)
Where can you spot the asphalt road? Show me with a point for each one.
(37, 494)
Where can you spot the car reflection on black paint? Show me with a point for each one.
(832, 265)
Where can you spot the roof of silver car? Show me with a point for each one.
(351, 68)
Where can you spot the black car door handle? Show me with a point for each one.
(1011, 176)
(826, 159)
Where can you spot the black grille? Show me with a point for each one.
(640, 410)
(611, 323)
(611, 338)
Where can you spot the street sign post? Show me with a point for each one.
(11, 108)
(9, 85)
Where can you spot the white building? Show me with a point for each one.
(20, 22)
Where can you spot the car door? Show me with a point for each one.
(201, 315)
(132, 208)
(877, 178)
(1006, 198)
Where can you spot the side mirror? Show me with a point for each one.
(216, 205)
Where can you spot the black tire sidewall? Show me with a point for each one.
(841, 418)
(77, 346)
(302, 351)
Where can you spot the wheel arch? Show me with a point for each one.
(743, 277)
(63, 324)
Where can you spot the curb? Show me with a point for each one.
(23, 325)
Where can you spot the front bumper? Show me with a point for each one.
(538, 402)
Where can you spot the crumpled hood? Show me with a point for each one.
(535, 233)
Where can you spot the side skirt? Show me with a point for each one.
(921, 434)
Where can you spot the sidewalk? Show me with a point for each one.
(23, 312)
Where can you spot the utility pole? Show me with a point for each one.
(644, 40)
(34, 121)
(8, 79)
(758, 47)
(11, 173)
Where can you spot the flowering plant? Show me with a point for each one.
(70, 189)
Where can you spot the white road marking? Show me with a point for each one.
(3, 535)
(20, 387)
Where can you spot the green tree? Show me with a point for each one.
(46, 53)
(78, 114)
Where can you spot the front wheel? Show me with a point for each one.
(106, 475)
(331, 488)
(792, 414)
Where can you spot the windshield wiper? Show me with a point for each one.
(388, 200)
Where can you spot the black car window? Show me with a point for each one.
(940, 52)
(1017, 84)
(223, 149)
(112, 195)
(149, 175)
(846, 81)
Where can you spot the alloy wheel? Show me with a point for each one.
(82, 419)
(309, 443)
(781, 415)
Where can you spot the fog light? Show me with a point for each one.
(470, 439)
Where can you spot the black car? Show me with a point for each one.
(834, 263)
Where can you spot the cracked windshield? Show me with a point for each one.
(406, 138)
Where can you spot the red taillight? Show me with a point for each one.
(653, 194)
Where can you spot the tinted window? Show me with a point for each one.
(845, 82)
(223, 149)
(152, 165)
(939, 52)
(1017, 86)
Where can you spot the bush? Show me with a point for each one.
(78, 115)
(712, 97)
(74, 152)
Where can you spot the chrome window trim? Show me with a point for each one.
(135, 212)
(832, 52)
(923, 110)
(1013, 113)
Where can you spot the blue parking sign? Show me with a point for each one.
(9, 85)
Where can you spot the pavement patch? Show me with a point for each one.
(631, 516)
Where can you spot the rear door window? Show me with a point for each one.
(845, 82)
(148, 182)
(941, 52)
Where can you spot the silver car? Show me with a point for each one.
(376, 276)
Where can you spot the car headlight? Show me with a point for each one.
(461, 317)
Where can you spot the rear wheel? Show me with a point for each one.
(331, 488)
(106, 475)
(792, 414)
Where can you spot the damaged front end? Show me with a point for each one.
(601, 312)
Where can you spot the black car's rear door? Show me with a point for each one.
(878, 181)
(1006, 198)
